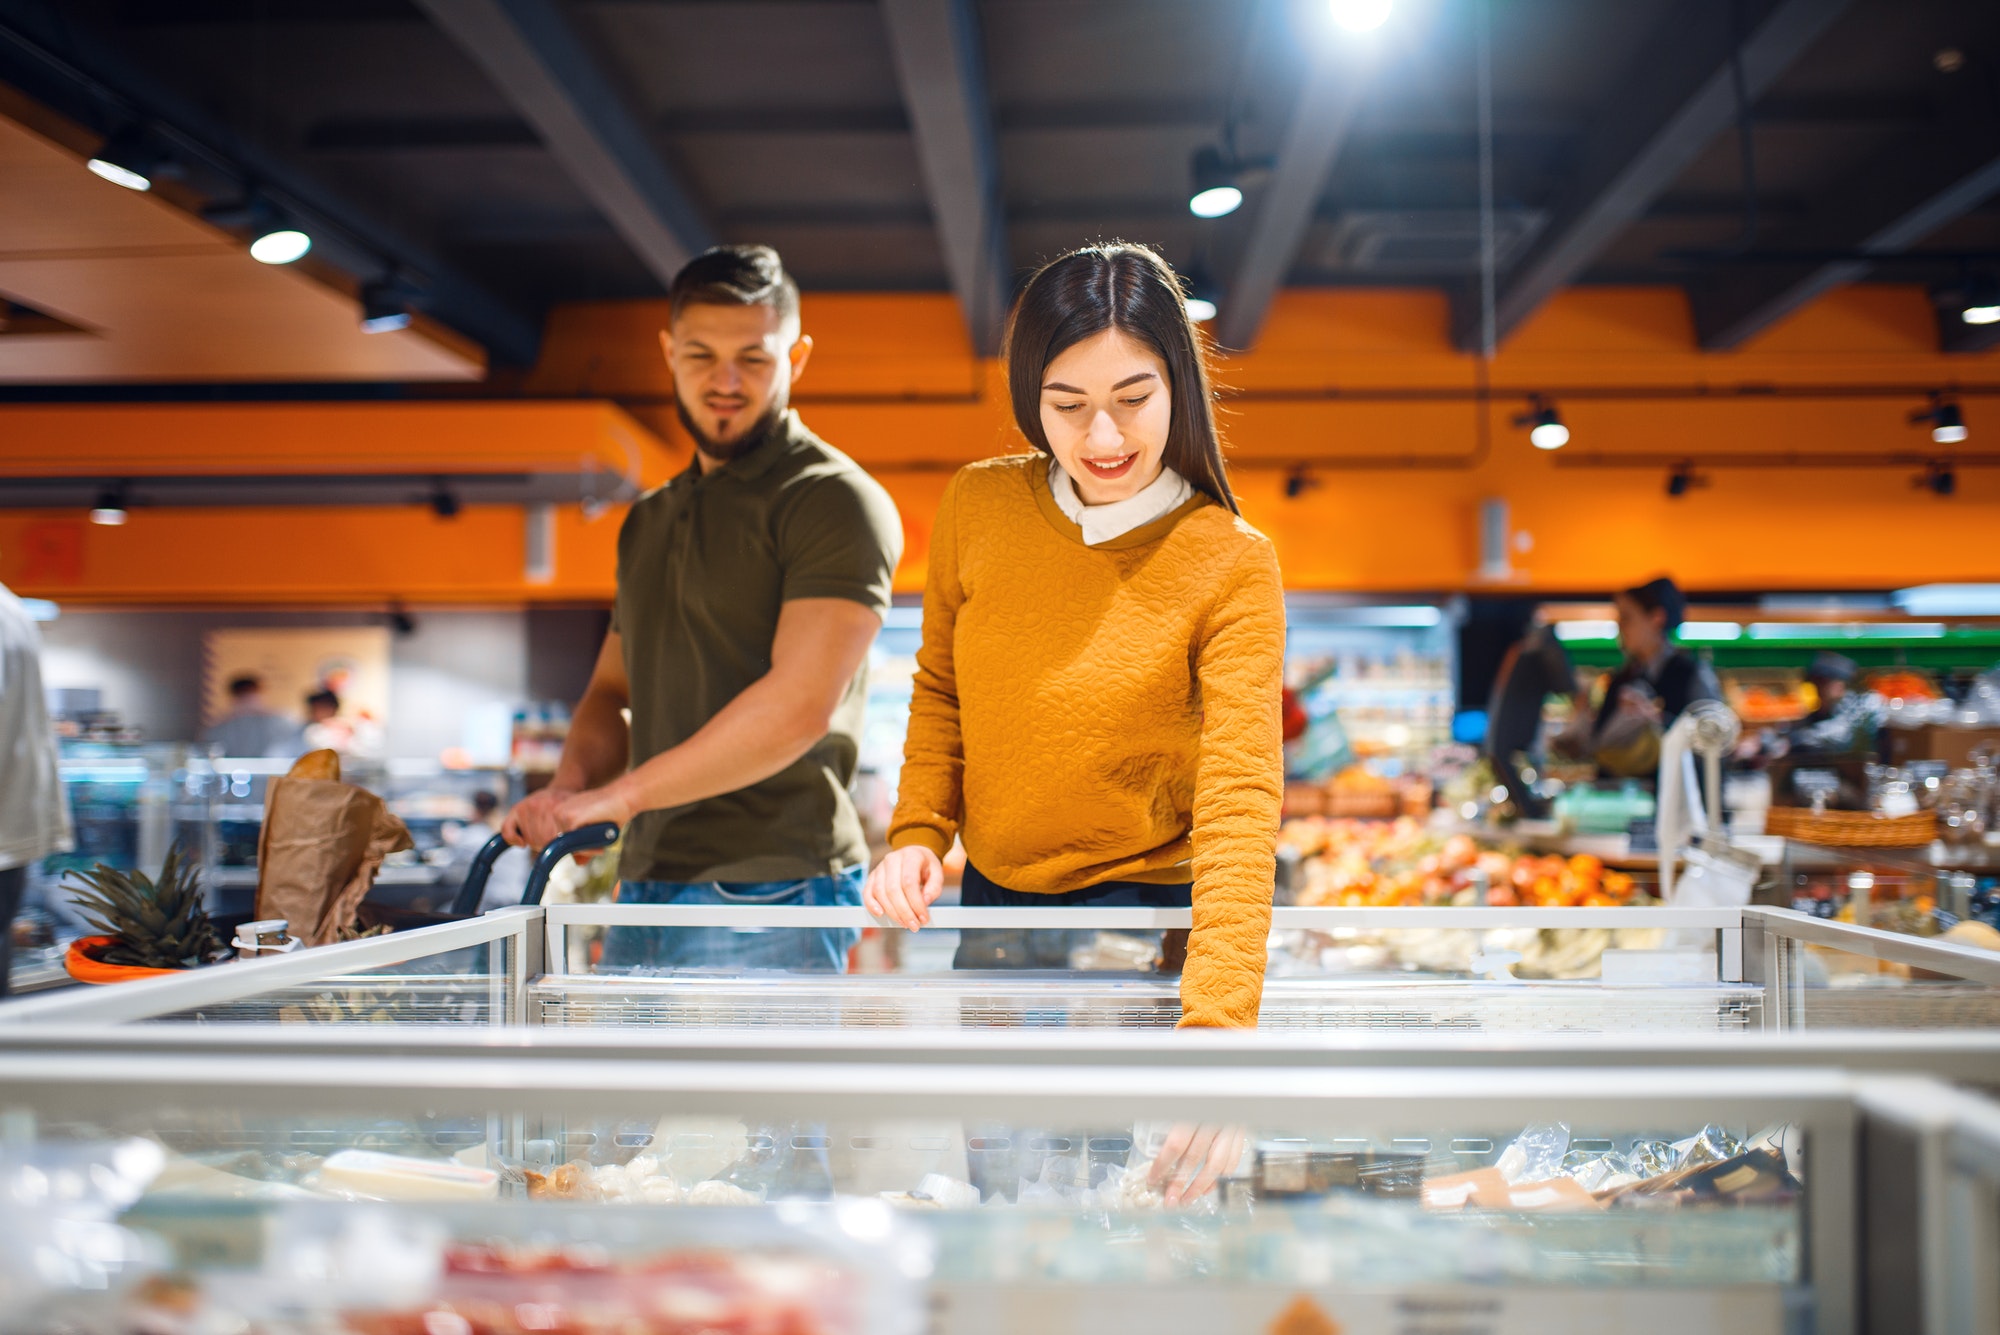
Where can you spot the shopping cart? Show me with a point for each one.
(466, 905)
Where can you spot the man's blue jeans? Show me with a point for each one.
(799, 949)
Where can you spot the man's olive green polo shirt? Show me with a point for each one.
(704, 564)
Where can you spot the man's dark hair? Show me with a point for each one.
(327, 698)
(248, 684)
(735, 276)
(1661, 595)
(485, 803)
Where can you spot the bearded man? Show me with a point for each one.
(750, 588)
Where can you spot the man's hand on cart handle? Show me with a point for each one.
(904, 885)
(1193, 1159)
(541, 816)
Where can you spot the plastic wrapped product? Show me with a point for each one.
(393, 1177)
(1536, 1155)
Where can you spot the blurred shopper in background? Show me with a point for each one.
(251, 728)
(750, 588)
(1535, 668)
(34, 815)
(1653, 686)
(1843, 722)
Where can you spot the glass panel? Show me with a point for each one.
(469, 985)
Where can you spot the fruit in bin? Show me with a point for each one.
(156, 924)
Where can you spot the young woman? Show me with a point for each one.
(1096, 710)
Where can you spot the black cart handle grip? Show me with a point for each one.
(602, 834)
(473, 889)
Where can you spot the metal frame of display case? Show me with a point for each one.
(515, 935)
(1374, 1104)
(1728, 924)
(1938, 1151)
(1756, 946)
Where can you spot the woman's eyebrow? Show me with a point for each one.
(1057, 387)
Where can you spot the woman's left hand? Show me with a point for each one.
(1194, 1158)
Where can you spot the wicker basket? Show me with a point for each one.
(1367, 805)
(1852, 829)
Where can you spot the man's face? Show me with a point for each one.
(733, 369)
(1640, 632)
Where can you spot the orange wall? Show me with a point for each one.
(893, 383)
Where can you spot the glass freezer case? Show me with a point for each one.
(1011, 1196)
(1399, 970)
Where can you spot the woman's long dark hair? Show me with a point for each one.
(1131, 289)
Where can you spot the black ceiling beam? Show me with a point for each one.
(33, 31)
(942, 72)
(1320, 125)
(1911, 188)
(1676, 97)
(539, 62)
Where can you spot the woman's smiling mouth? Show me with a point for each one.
(1110, 468)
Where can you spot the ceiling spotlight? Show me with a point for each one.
(129, 158)
(280, 245)
(385, 307)
(1215, 190)
(443, 503)
(1361, 15)
(1298, 482)
(1981, 301)
(1203, 301)
(110, 507)
(1939, 479)
(1947, 422)
(1683, 480)
(1545, 425)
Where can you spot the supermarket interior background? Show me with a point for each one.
(330, 359)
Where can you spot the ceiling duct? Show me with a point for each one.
(1426, 242)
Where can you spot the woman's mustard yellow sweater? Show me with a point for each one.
(1110, 713)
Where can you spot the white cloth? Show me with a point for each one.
(1101, 523)
(34, 814)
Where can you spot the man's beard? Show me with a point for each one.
(724, 450)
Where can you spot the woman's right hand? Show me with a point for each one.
(904, 885)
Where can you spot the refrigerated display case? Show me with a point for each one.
(1658, 970)
(118, 796)
(1360, 1200)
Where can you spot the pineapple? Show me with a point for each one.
(158, 924)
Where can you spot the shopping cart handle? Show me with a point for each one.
(601, 835)
(473, 888)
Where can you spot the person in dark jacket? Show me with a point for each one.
(1535, 667)
(1658, 679)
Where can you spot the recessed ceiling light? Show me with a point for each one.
(129, 158)
(280, 246)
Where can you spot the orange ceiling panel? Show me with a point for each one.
(157, 295)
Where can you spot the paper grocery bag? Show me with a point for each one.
(321, 846)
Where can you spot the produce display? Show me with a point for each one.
(1371, 863)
